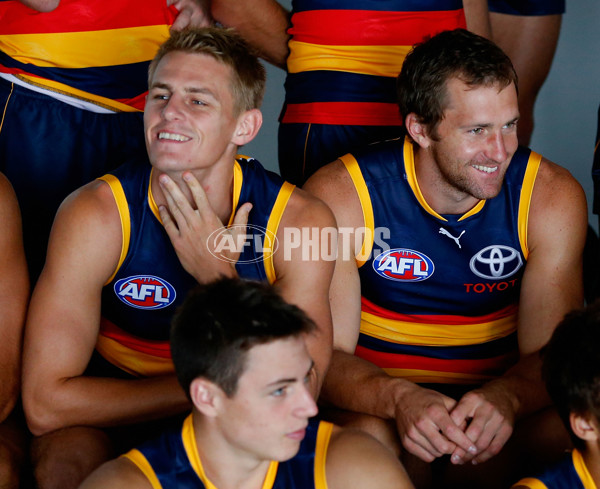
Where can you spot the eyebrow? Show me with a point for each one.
(290, 380)
(166, 86)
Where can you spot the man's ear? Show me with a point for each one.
(417, 130)
(584, 427)
(205, 396)
(249, 122)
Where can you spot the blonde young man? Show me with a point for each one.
(97, 353)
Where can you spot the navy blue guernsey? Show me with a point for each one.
(172, 461)
(139, 301)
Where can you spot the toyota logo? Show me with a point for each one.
(496, 262)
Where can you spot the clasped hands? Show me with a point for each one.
(473, 429)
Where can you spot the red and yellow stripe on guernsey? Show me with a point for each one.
(365, 42)
(80, 35)
(137, 356)
(429, 332)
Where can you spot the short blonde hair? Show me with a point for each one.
(228, 47)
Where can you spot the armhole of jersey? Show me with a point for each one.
(121, 201)
(137, 458)
(531, 483)
(285, 192)
(323, 437)
(238, 179)
(367, 208)
(533, 166)
(582, 470)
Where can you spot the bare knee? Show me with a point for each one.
(64, 458)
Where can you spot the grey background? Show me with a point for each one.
(566, 109)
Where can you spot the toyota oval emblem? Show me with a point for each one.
(496, 262)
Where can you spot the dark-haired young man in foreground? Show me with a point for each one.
(239, 352)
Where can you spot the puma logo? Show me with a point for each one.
(456, 239)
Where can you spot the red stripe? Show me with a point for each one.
(349, 113)
(83, 16)
(371, 308)
(159, 349)
(371, 28)
(394, 360)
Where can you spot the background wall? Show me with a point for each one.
(566, 109)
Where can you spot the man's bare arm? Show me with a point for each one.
(263, 23)
(119, 473)
(356, 460)
(14, 296)
(552, 286)
(304, 267)
(478, 17)
(63, 324)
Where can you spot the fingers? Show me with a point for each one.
(192, 13)
(487, 428)
(182, 20)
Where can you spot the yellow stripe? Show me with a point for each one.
(134, 362)
(271, 474)
(151, 201)
(403, 332)
(272, 226)
(369, 60)
(121, 201)
(189, 443)
(138, 459)
(238, 178)
(531, 483)
(367, 208)
(582, 471)
(80, 94)
(533, 166)
(323, 437)
(12, 87)
(436, 377)
(89, 49)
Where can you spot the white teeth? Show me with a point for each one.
(172, 137)
(486, 169)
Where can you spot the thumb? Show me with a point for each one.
(241, 216)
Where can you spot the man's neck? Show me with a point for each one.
(226, 466)
(216, 181)
(441, 196)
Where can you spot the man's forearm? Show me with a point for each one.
(356, 385)
(263, 23)
(102, 402)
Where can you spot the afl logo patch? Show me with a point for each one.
(403, 265)
(145, 292)
(496, 262)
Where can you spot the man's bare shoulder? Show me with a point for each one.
(120, 473)
(355, 459)
(87, 228)
(555, 180)
(558, 201)
(333, 184)
(305, 209)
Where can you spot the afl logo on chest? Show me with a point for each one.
(145, 292)
(403, 265)
(496, 262)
